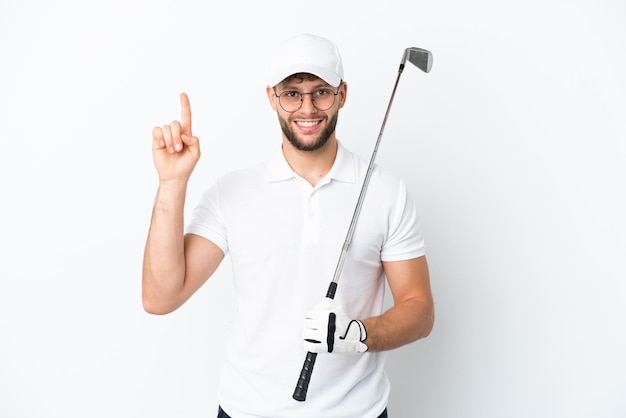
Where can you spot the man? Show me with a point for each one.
(283, 222)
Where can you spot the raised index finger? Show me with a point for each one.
(185, 114)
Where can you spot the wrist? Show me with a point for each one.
(170, 194)
(173, 183)
(172, 188)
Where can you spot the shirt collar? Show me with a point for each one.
(343, 168)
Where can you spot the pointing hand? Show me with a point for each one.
(174, 148)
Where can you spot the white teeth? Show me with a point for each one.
(307, 124)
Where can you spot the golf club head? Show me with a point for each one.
(419, 57)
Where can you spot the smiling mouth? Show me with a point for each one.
(307, 124)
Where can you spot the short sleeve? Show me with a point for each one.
(207, 219)
(405, 239)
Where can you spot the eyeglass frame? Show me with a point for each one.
(312, 99)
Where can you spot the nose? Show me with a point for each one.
(307, 102)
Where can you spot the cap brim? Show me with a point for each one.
(328, 76)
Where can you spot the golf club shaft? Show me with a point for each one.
(307, 368)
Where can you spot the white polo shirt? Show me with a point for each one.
(284, 238)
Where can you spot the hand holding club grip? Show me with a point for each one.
(299, 394)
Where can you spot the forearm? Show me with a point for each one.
(164, 256)
(402, 324)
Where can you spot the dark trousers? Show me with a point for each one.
(222, 414)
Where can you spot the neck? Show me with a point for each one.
(311, 165)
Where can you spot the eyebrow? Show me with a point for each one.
(290, 86)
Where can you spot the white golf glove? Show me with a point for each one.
(327, 329)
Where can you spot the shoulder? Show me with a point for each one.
(382, 178)
(243, 177)
(242, 174)
(361, 165)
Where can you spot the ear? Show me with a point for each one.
(271, 96)
(343, 93)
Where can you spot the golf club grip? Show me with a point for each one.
(305, 377)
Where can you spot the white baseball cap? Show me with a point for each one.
(306, 53)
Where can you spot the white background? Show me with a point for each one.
(513, 148)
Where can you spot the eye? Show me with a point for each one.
(290, 94)
(323, 92)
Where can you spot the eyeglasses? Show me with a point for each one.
(291, 100)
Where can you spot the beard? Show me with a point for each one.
(318, 143)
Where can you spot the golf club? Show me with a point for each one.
(423, 60)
